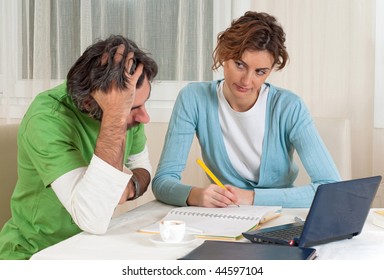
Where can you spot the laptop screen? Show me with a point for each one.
(339, 211)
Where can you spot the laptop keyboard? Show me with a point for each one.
(283, 234)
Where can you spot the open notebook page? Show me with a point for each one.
(216, 223)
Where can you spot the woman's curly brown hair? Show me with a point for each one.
(253, 31)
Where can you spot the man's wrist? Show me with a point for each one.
(136, 187)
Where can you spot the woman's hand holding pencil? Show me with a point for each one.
(211, 175)
(215, 195)
(211, 196)
(218, 195)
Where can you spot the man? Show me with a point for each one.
(81, 149)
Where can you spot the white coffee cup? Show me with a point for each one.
(172, 231)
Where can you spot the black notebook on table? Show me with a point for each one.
(338, 211)
(225, 250)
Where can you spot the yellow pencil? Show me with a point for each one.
(211, 175)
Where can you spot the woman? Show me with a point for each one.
(247, 129)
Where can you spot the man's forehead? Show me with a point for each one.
(143, 93)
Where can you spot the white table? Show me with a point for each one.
(123, 241)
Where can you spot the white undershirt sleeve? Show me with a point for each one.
(90, 194)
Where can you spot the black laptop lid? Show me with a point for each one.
(339, 211)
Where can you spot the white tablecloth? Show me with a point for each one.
(123, 241)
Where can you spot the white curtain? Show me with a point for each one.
(175, 32)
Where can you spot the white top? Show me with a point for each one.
(243, 133)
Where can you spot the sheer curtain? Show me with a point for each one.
(175, 32)
(47, 36)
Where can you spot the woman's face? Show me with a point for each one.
(244, 78)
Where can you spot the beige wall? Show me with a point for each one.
(378, 163)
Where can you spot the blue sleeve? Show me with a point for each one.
(166, 185)
(302, 135)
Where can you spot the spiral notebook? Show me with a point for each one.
(219, 223)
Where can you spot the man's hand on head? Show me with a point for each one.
(116, 103)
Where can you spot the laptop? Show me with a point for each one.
(338, 212)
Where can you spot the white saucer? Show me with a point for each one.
(156, 238)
